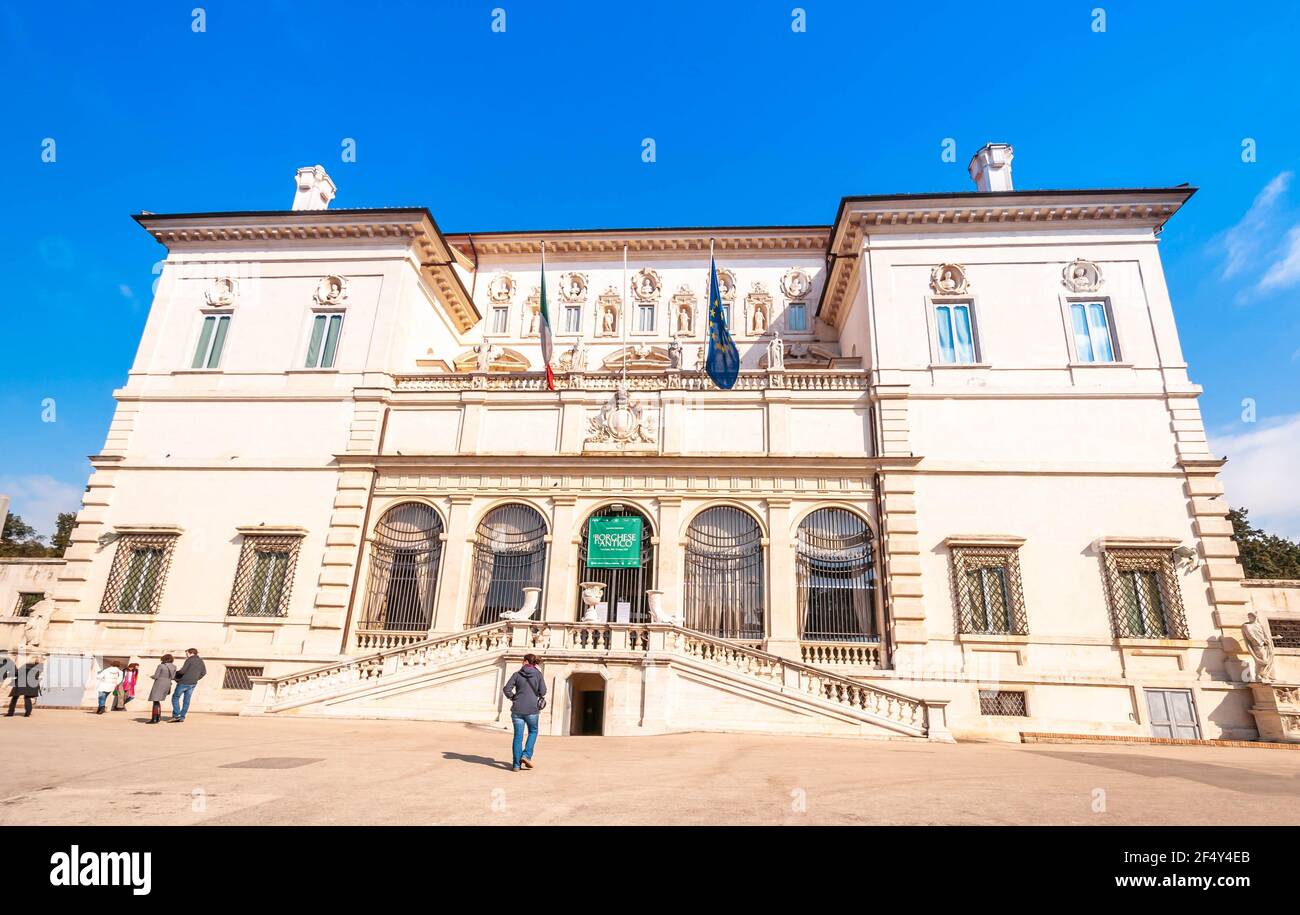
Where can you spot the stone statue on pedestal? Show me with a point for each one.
(1257, 639)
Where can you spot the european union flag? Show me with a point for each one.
(723, 360)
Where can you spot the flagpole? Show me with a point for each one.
(627, 297)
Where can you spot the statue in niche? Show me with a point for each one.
(684, 320)
(758, 325)
(1260, 644)
(534, 321)
(607, 321)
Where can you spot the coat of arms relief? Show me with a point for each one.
(620, 424)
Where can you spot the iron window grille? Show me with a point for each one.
(405, 557)
(621, 585)
(724, 574)
(1144, 596)
(509, 555)
(1286, 633)
(1003, 702)
(990, 598)
(26, 601)
(264, 577)
(240, 677)
(836, 573)
(139, 571)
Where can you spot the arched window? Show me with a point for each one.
(509, 555)
(837, 577)
(625, 585)
(405, 555)
(724, 574)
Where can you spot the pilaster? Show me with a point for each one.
(453, 585)
(563, 561)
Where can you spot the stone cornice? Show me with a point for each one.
(414, 227)
(610, 242)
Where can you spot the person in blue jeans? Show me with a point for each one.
(188, 677)
(527, 692)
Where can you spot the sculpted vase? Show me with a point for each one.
(592, 593)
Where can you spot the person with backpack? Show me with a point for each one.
(527, 692)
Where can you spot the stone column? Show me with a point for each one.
(669, 556)
(562, 563)
(457, 555)
(782, 596)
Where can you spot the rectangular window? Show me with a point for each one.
(500, 320)
(1144, 596)
(240, 677)
(212, 337)
(990, 599)
(572, 319)
(645, 318)
(1286, 633)
(324, 343)
(956, 335)
(135, 580)
(726, 314)
(264, 576)
(26, 601)
(1003, 702)
(796, 317)
(1092, 339)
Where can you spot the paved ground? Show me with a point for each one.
(71, 767)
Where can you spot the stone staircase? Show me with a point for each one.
(472, 665)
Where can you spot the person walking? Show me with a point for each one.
(527, 692)
(27, 684)
(106, 683)
(162, 686)
(126, 690)
(191, 672)
(8, 670)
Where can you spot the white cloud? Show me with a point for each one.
(1244, 242)
(1263, 473)
(39, 498)
(1286, 269)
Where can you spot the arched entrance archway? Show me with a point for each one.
(626, 585)
(837, 577)
(723, 593)
(509, 555)
(405, 555)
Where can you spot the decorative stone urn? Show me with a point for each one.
(655, 601)
(592, 593)
(531, 596)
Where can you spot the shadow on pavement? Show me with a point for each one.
(481, 760)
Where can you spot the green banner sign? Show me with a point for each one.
(614, 543)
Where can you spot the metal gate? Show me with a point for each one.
(509, 555)
(724, 574)
(621, 584)
(1172, 714)
(405, 557)
(837, 577)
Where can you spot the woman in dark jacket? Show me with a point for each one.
(28, 686)
(162, 686)
(527, 690)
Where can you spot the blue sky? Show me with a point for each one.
(541, 126)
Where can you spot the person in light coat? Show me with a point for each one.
(163, 678)
(106, 683)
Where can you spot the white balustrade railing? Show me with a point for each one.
(666, 380)
(560, 639)
(865, 655)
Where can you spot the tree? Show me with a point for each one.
(62, 533)
(20, 539)
(1263, 555)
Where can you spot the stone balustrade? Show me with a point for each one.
(608, 641)
(668, 380)
(865, 655)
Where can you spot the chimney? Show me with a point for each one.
(314, 191)
(990, 168)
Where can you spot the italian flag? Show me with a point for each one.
(545, 328)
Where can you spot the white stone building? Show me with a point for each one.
(961, 486)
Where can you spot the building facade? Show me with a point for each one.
(961, 486)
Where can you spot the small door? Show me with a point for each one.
(1172, 714)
